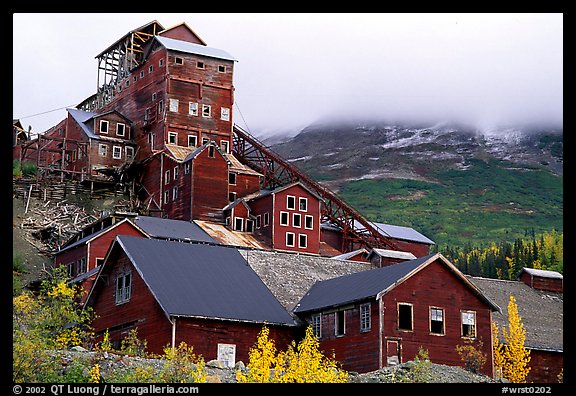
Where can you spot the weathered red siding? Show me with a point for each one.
(545, 366)
(209, 186)
(542, 283)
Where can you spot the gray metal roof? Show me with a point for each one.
(358, 286)
(81, 117)
(185, 46)
(543, 273)
(400, 232)
(541, 311)
(158, 227)
(206, 281)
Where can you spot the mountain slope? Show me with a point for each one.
(448, 181)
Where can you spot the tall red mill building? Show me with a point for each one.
(161, 123)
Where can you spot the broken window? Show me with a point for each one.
(296, 220)
(206, 111)
(405, 316)
(103, 126)
(284, 219)
(340, 325)
(468, 324)
(290, 202)
(290, 239)
(102, 150)
(193, 108)
(365, 322)
(192, 140)
(436, 320)
(123, 288)
(303, 241)
(308, 222)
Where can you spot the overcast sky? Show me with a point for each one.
(294, 69)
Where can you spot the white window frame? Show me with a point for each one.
(466, 315)
(102, 123)
(173, 105)
(305, 201)
(193, 108)
(221, 68)
(293, 239)
(225, 113)
(177, 59)
(187, 167)
(195, 138)
(117, 152)
(311, 219)
(227, 354)
(266, 219)
(287, 223)
(166, 196)
(433, 316)
(120, 126)
(365, 317)
(225, 146)
(296, 224)
(102, 150)
(293, 207)
(167, 177)
(232, 178)
(174, 193)
(206, 111)
(173, 135)
(236, 222)
(200, 64)
(300, 244)
(175, 173)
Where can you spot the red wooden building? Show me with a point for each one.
(375, 318)
(172, 292)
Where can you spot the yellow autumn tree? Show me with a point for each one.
(516, 357)
(302, 362)
(497, 352)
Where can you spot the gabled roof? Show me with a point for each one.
(349, 255)
(373, 284)
(191, 48)
(157, 227)
(183, 24)
(542, 312)
(265, 193)
(84, 118)
(200, 281)
(542, 273)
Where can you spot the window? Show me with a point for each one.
(173, 137)
(303, 204)
(192, 140)
(120, 129)
(154, 97)
(302, 241)
(141, 73)
(206, 111)
(187, 167)
(174, 193)
(249, 225)
(193, 108)
(178, 60)
(283, 218)
(405, 316)
(258, 221)
(225, 114)
(116, 152)
(232, 178)
(266, 219)
(147, 114)
(123, 288)
(468, 324)
(365, 319)
(290, 202)
(129, 152)
(166, 196)
(200, 64)
(161, 108)
(161, 62)
(238, 224)
(231, 197)
(436, 320)
(173, 104)
(227, 354)
(221, 69)
(340, 325)
(317, 325)
(225, 146)
(151, 69)
(102, 150)
(81, 268)
(290, 239)
(103, 126)
(296, 220)
(167, 177)
(211, 151)
(205, 140)
(175, 170)
(308, 222)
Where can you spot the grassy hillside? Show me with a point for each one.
(488, 201)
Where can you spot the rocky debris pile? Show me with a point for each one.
(111, 364)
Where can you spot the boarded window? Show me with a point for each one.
(405, 317)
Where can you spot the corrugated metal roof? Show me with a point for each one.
(158, 227)
(398, 232)
(393, 254)
(81, 117)
(185, 46)
(225, 236)
(207, 281)
(358, 286)
(543, 273)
